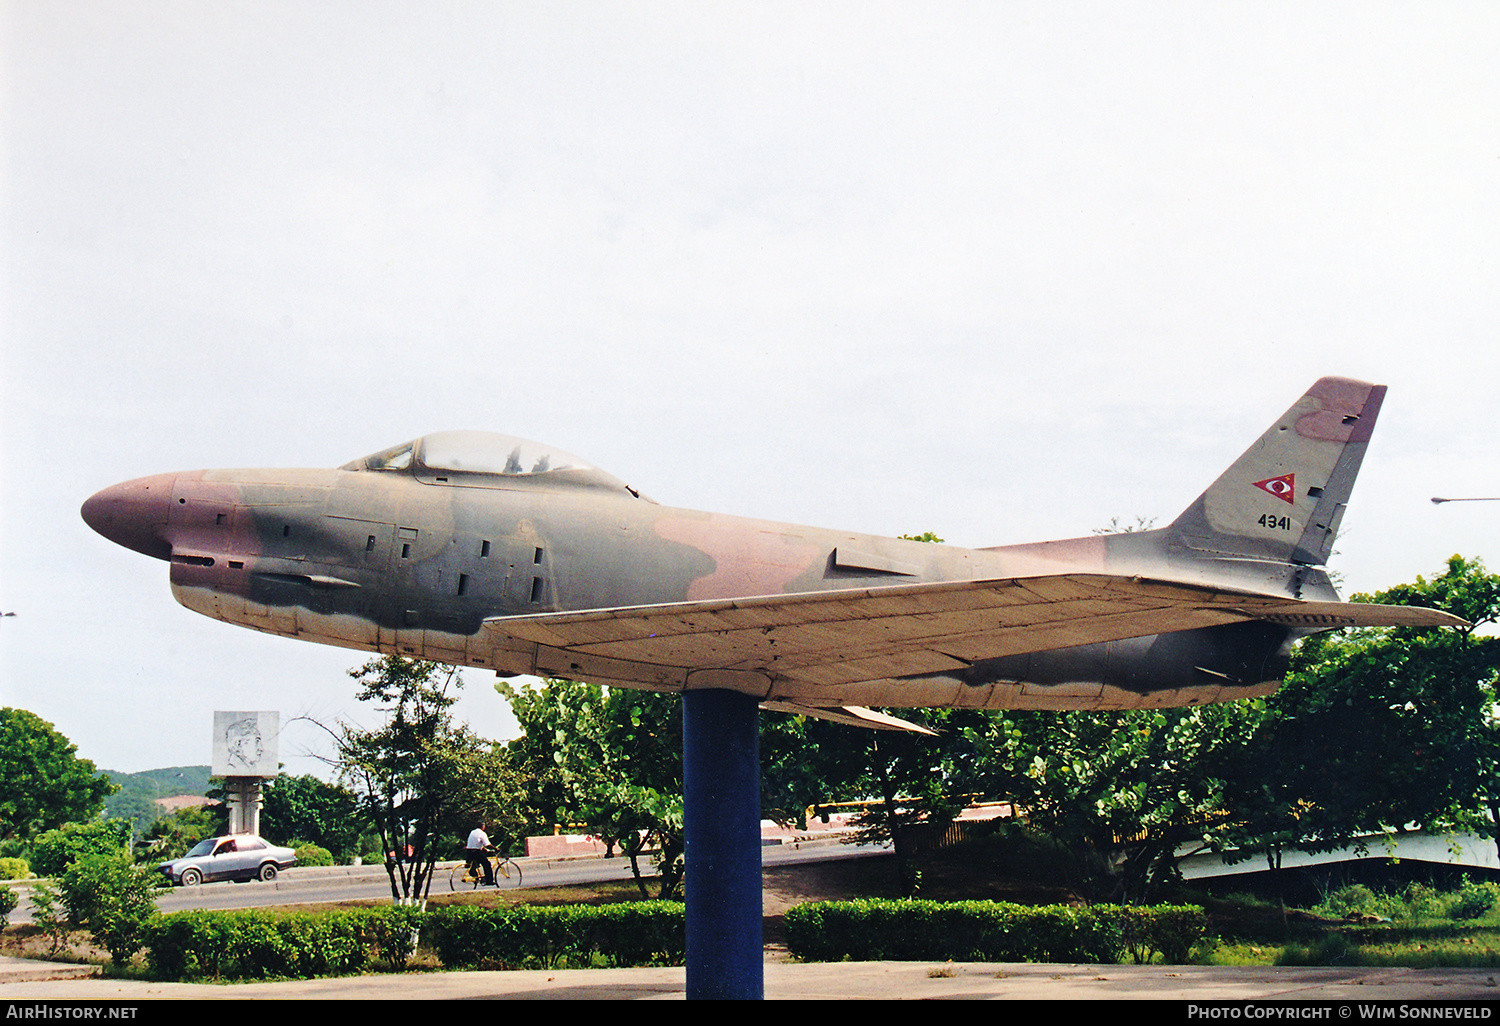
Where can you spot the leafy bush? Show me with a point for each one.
(1355, 899)
(1416, 901)
(49, 916)
(14, 869)
(392, 934)
(312, 854)
(56, 850)
(1472, 900)
(112, 898)
(8, 901)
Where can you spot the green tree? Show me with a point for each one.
(416, 775)
(313, 810)
(1125, 792)
(647, 824)
(608, 758)
(1465, 588)
(913, 782)
(43, 783)
(487, 789)
(54, 851)
(140, 809)
(564, 749)
(170, 837)
(1378, 730)
(797, 773)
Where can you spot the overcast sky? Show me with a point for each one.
(1001, 271)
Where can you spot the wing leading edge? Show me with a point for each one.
(830, 648)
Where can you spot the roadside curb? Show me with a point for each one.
(34, 970)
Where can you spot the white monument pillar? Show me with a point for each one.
(245, 756)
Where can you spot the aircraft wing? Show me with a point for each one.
(834, 638)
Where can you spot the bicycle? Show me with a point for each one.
(505, 871)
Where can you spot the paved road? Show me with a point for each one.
(309, 885)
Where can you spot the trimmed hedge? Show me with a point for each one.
(558, 936)
(1171, 930)
(255, 945)
(988, 931)
(259, 944)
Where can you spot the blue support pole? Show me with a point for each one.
(721, 821)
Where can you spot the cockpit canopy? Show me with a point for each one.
(473, 452)
(480, 459)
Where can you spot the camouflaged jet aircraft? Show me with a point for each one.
(491, 551)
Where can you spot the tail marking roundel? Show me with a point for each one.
(1283, 487)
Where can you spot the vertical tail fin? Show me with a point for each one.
(1284, 498)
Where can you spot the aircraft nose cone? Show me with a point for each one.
(134, 514)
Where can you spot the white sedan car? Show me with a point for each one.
(236, 857)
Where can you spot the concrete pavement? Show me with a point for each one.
(24, 980)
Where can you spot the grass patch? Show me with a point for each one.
(1425, 944)
(1413, 926)
(28, 941)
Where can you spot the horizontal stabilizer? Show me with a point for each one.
(1321, 616)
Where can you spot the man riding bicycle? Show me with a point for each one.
(477, 850)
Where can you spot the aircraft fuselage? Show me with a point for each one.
(498, 552)
(414, 562)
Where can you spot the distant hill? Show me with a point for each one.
(163, 783)
(138, 794)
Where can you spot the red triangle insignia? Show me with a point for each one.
(1283, 487)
